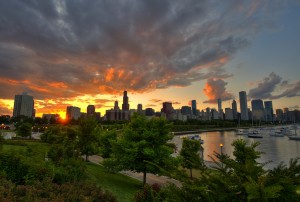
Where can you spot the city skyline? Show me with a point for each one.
(158, 51)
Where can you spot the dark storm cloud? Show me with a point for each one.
(73, 47)
(267, 88)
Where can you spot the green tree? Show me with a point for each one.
(24, 130)
(88, 137)
(142, 147)
(106, 140)
(190, 155)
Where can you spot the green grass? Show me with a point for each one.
(122, 186)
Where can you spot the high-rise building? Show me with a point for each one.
(125, 105)
(140, 109)
(269, 111)
(73, 113)
(228, 114)
(90, 111)
(279, 115)
(149, 112)
(234, 110)
(186, 110)
(243, 105)
(194, 107)
(220, 110)
(116, 107)
(23, 105)
(258, 112)
(167, 109)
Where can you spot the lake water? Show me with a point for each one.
(276, 149)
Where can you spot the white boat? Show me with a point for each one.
(196, 137)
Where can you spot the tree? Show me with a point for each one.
(142, 146)
(88, 137)
(190, 154)
(106, 139)
(24, 130)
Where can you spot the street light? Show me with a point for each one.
(221, 146)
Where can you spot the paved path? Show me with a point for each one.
(151, 178)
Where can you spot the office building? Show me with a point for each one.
(279, 115)
(90, 111)
(167, 110)
(116, 106)
(258, 112)
(125, 105)
(269, 111)
(140, 109)
(234, 110)
(73, 113)
(194, 107)
(24, 106)
(243, 105)
(149, 112)
(186, 110)
(228, 114)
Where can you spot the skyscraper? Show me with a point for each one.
(73, 113)
(116, 107)
(258, 112)
(243, 105)
(194, 107)
(269, 111)
(220, 110)
(125, 105)
(90, 111)
(234, 110)
(140, 109)
(23, 105)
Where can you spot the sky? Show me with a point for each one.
(76, 53)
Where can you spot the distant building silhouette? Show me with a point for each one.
(258, 112)
(234, 110)
(269, 111)
(90, 111)
(24, 105)
(125, 105)
(194, 107)
(73, 113)
(243, 105)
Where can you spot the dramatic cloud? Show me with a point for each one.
(265, 87)
(215, 89)
(273, 87)
(71, 48)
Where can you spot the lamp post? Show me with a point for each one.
(2, 127)
(221, 147)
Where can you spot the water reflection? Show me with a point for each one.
(276, 149)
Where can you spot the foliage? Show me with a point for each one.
(105, 142)
(47, 191)
(241, 178)
(190, 154)
(88, 137)
(24, 130)
(54, 134)
(142, 146)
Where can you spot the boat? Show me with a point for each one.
(255, 136)
(196, 137)
(294, 137)
(241, 132)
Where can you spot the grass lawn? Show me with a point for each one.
(122, 186)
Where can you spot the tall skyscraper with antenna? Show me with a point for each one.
(125, 105)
